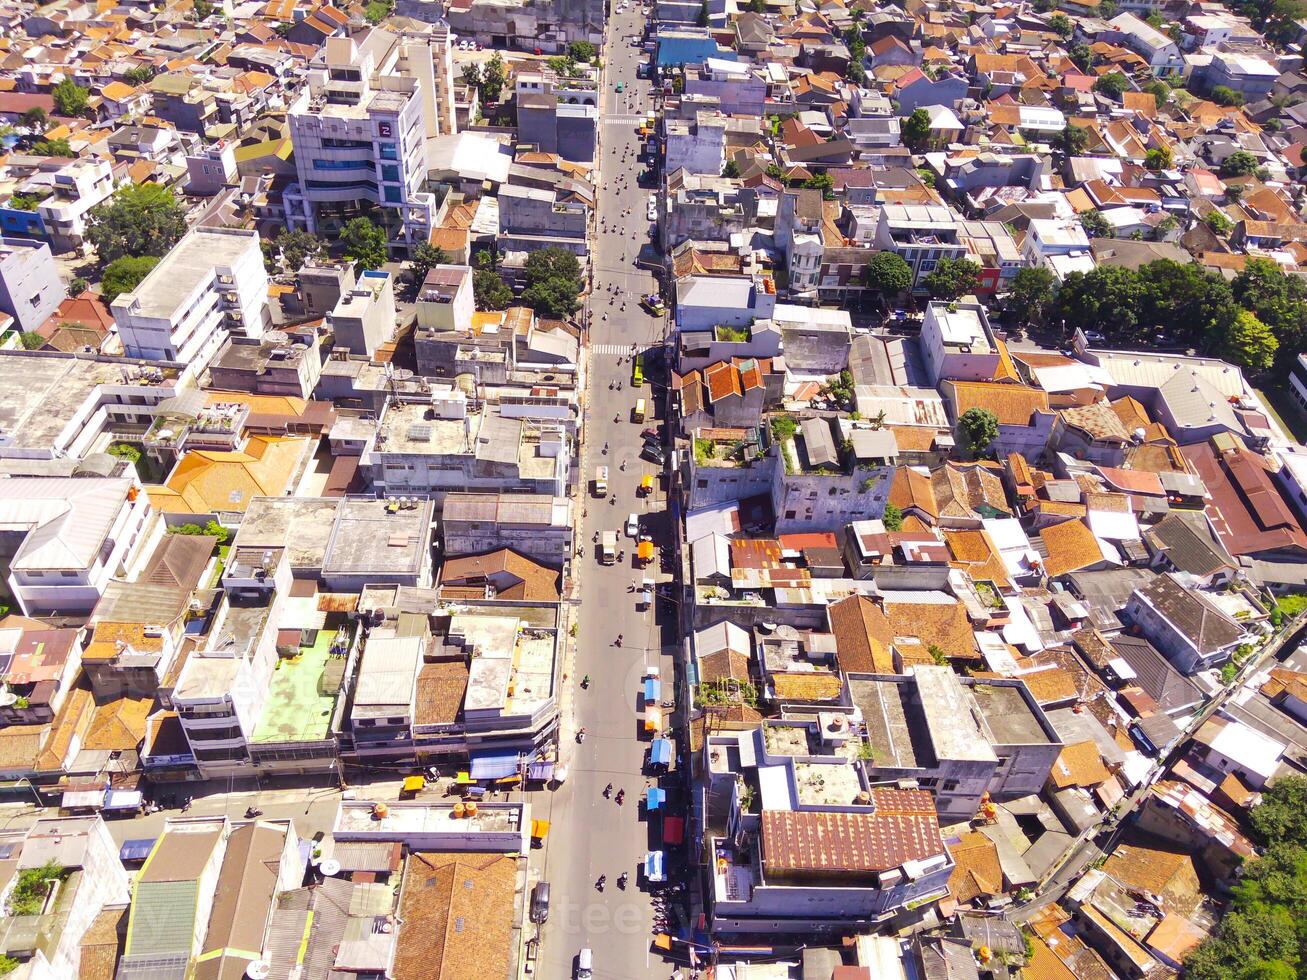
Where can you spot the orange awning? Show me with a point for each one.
(644, 550)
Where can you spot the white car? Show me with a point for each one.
(632, 527)
(652, 213)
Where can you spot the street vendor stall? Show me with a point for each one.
(644, 552)
(654, 868)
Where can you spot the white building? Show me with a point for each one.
(30, 288)
(921, 234)
(360, 129)
(76, 534)
(699, 146)
(446, 301)
(1161, 53)
(1060, 244)
(364, 319)
(77, 188)
(213, 282)
(958, 344)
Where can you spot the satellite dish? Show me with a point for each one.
(259, 970)
(330, 867)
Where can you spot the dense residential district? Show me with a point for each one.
(734, 489)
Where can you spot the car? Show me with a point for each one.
(620, 87)
(540, 902)
(652, 434)
(584, 964)
(653, 454)
(653, 304)
(632, 526)
(1094, 337)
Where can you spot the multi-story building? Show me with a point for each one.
(278, 364)
(698, 145)
(211, 283)
(76, 188)
(532, 218)
(445, 301)
(364, 318)
(30, 288)
(536, 525)
(798, 232)
(360, 129)
(72, 536)
(182, 99)
(957, 343)
(921, 234)
(1059, 244)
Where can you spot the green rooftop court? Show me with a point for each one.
(303, 692)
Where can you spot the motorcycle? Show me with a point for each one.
(621, 795)
(252, 812)
(580, 736)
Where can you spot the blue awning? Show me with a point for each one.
(136, 850)
(653, 866)
(654, 798)
(651, 689)
(660, 753)
(540, 771)
(494, 765)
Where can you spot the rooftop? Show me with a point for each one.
(191, 263)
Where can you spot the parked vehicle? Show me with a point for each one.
(639, 414)
(632, 526)
(584, 964)
(540, 902)
(653, 454)
(601, 481)
(608, 547)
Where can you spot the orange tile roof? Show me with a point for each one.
(1071, 546)
(1079, 764)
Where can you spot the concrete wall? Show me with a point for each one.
(30, 288)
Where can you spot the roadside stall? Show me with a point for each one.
(654, 799)
(644, 553)
(539, 832)
(655, 870)
(653, 720)
(413, 785)
(646, 485)
(660, 754)
(652, 688)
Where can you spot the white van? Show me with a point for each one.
(601, 481)
(584, 964)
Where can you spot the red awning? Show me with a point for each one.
(673, 830)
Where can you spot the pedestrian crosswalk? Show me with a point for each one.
(610, 349)
(623, 120)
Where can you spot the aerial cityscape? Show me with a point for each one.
(694, 489)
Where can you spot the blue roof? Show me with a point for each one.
(654, 798)
(660, 753)
(651, 688)
(494, 765)
(677, 51)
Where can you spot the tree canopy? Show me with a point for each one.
(952, 278)
(140, 219)
(915, 130)
(1261, 937)
(888, 273)
(297, 246)
(1031, 293)
(364, 244)
(423, 259)
(1113, 84)
(1240, 163)
(979, 426)
(69, 98)
(124, 274)
(553, 282)
(490, 290)
(1074, 139)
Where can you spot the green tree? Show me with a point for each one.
(364, 244)
(823, 182)
(1249, 342)
(70, 98)
(1113, 85)
(1081, 56)
(202, 9)
(855, 73)
(581, 51)
(1158, 158)
(125, 450)
(1074, 139)
(1095, 224)
(1218, 222)
(915, 130)
(1282, 814)
(1107, 300)
(855, 42)
(1160, 91)
(1278, 300)
(1240, 163)
(979, 427)
(297, 246)
(378, 10)
(53, 148)
(888, 274)
(124, 274)
(493, 76)
(25, 202)
(1061, 24)
(31, 340)
(758, 6)
(490, 290)
(776, 172)
(138, 75)
(553, 282)
(140, 219)
(893, 518)
(472, 75)
(423, 259)
(732, 169)
(952, 278)
(77, 285)
(1223, 95)
(1107, 9)
(1032, 292)
(35, 119)
(1195, 304)
(702, 19)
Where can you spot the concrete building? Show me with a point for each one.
(445, 302)
(443, 444)
(957, 343)
(1185, 625)
(211, 169)
(698, 146)
(30, 288)
(799, 233)
(921, 234)
(77, 188)
(364, 318)
(558, 114)
(277, 364)
(532, 218)
(953, 737)
(322, 283)
(211, 283)
(1245, 73)
(1059, 244)
(1162, 54)
(66, 538)
(740, 90)
(536, 525)
(360, 129)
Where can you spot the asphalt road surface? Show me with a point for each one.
(590, 835)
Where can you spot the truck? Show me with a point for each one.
(608, 547)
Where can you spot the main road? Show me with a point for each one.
(591, 835)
